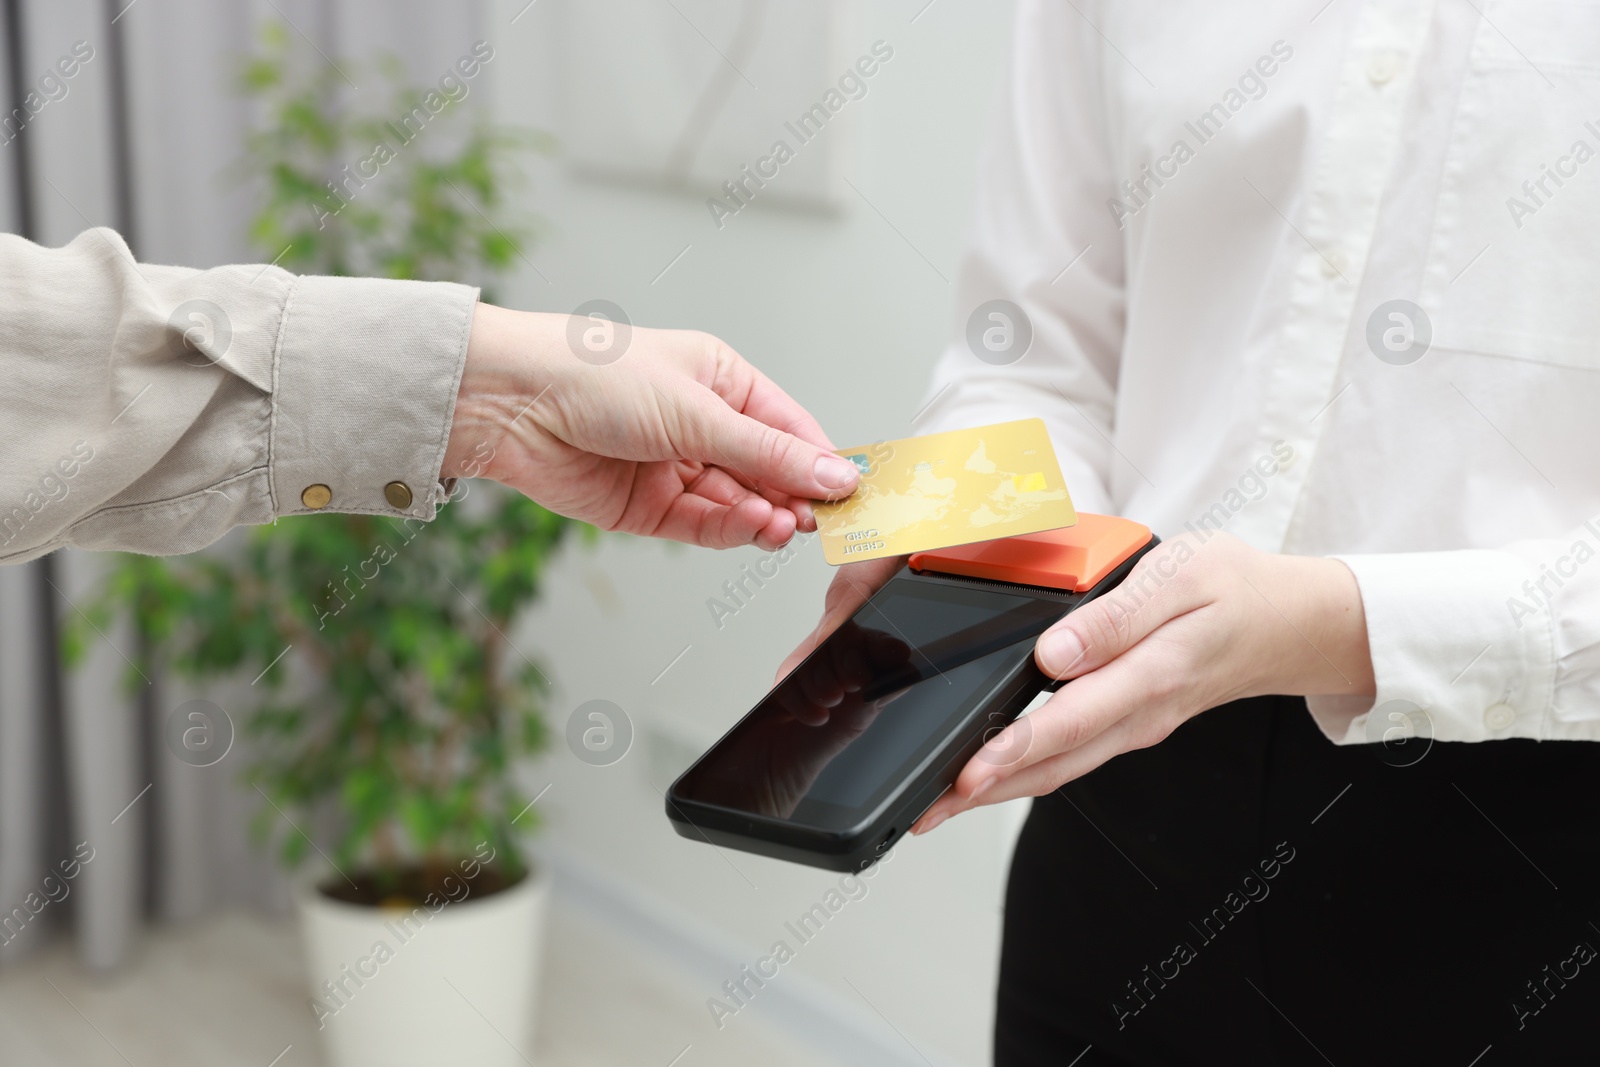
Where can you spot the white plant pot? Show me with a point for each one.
(456, 987)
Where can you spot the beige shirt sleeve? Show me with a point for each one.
(151, 409)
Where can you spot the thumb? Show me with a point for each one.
(769, 457)
(1106, 627)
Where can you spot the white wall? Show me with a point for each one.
(847, 316)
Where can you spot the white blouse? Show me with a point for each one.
(1323, 275)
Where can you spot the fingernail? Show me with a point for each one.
(833, 472)
(988, 783)
(1059, 651)
(932, 824)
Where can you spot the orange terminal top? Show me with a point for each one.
(1074, 558)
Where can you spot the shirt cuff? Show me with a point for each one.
(1445, 641)
(364, 384)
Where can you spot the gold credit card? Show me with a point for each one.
(947, 489)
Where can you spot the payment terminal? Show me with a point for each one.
(843, 755)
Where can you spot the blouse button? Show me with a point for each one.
(1499, 716)
(1382, 68)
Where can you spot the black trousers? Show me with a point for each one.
(1248, 893)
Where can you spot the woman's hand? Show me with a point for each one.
(1196, 624)
(817, 714)
(852, 586)
(678, 438)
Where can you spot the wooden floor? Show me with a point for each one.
(230, 992)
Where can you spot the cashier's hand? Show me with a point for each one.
(818, 714)
(1196, 624)
(677, 437)
(852, 586)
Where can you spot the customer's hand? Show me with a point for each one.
(1196, 624)
(678, 438)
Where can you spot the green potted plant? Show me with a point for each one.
(393, 706)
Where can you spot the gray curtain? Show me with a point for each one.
(139, 139)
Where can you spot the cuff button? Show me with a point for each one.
(398, 494)
(316, 497)
(1499, 716)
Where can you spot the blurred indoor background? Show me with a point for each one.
(177, 944)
